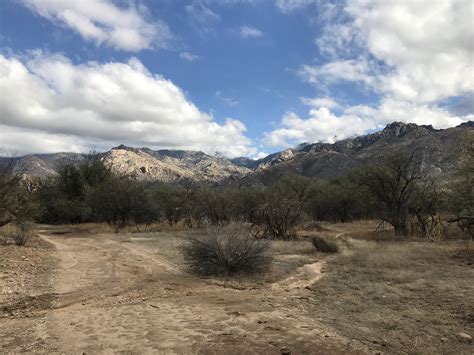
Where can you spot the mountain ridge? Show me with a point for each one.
(439, 147)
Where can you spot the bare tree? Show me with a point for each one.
(283, 207)
(9, 183)
(394, 184)
(462, 194)
(122, 202)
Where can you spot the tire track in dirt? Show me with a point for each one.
(113, 295)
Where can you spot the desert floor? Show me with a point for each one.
(73, 289)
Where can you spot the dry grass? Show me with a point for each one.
(18, 234)
(402, 297)
(97, 228)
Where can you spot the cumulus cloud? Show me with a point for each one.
(105, 23)
(103, 104)
(348, 70)
(422, 50)
(427, 45)
(320, 102)
(249, 32)
(414, 55)
(323, 125)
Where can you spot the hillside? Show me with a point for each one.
(439, 148)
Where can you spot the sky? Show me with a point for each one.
(237, 77)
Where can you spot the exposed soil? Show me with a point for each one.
(123, 293)
(72, 291)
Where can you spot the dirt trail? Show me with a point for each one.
(115, 295)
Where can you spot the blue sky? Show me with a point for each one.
(242, 77)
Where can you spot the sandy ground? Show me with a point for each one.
(124, 293)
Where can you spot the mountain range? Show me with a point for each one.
(439, 148)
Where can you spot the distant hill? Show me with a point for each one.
(440, 149)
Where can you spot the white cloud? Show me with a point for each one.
(229, 101)
(320, 102)
(104, 104)
(349, 70)
(412, 54)
(249, 32)
(103, 22)
(323, 125)
(427, 44)
(188, 56)
(201, 17)
(287, 6)
(423, 50)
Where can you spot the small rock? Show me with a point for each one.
(444, 340)
(285, 351)
(465, 337)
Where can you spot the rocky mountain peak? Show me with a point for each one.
(399, 129)
(441, 149)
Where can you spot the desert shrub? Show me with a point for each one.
(25, 232)
(324, 246)
(227, 251)
(283, 207)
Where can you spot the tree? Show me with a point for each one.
(63, 197)
(393, 185)
(283, 206)
(462, 190)
(8, 186)
(16, 204)
(122, 202)
(338, 200)
(173, 203)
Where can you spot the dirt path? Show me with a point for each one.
(114, 295)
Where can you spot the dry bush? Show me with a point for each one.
(17, 233)
(324, 246)
(227, 251)
(25, 233)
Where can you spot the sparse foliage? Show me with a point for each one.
(227, 251)
(122, 202)
(24, 233)
(394, 185)
(462, 196)
(16, 204)
(283, 207)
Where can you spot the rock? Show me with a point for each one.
(444, 340)
(465, 337)
(285, 351)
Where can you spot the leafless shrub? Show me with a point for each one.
(24, 234)
(324, 246)
(227, 251)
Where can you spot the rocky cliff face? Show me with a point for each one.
(171, 165)
(440, 150)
